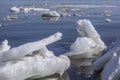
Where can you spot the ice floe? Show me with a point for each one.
(34, 66)
(88, 6)
(100, 62)
(111, 70)
(32, 60)
(28, 9)
(88, 44)
(51, 14)
(86, 29)
(0, 25)
(110, 62)
(108, 20)
(25, 49)
(4, 46)
(9, 18)
(14, 9)
(82, 46)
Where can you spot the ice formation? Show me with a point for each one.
(26, 10)
(20, 51)
(51, 14)
(100, 62)
(87, 6)
(82, 46)
(34, 66)
(111, 70)
(39, 9)
(89, 41)
(86, 29)
(15, 9)
(32, 60)
(4, 46)
(9, 18)
(0, 25)
(108, 20)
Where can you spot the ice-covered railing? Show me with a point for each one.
(32, 60)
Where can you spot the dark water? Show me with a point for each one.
(31, 26)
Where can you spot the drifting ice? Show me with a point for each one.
(89, 42)
(86, 29)
(100, 62)
(51, 14)
(21, 51)
(111, 70)
(82, 46)
(4, 46)
(14, 9)
(108, 20)
(34, 66)
(26, 10)
(32, 60)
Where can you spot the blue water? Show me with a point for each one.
(32, 27)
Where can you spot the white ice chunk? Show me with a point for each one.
(82, 46)
(86, 29)
(26, 10)
(4, 46)
(0, 25)
(51, 14)
(100, 62)
(88, 44)
(36, 66)
(90, 41)
(39, 9)
(44, 52)
(108, 20)
(25, 49)
(111, 70)
(15, 9)
(9, 18)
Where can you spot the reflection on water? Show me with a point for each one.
(51, 18)
(65, 76)
(83, 67)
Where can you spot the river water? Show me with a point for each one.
(32, 27)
